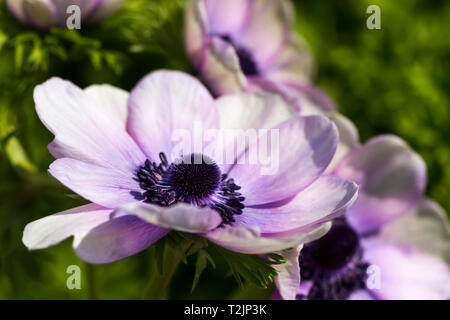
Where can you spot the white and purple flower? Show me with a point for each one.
(250, 45)
(391, 244)
(116, 150)
(44, 14)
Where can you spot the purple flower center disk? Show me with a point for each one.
(333, 264)
(194, 179)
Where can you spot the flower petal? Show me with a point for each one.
(116, 239)
(348, 138)
(406, 273)
(104, 186)
(181, 216)
(292, 64)
(113, 99)
(425, 227)
(51, 230)
(288, 278)
(323, 200)
(225, 17)
(166, 106)
(97, 238)
(300, 151)
(392, 179)
(251, 241)
(267, 19)
(242, 116)
(41, 14)
(220, 68)
(83, 129)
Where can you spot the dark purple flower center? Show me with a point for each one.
(194, 179)
(246, 60)
(334, 264)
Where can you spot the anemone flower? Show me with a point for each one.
(44, 14)
(247, 45)
(392, 243)
(118, 151)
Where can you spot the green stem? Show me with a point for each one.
(92, 282)
(158, 283)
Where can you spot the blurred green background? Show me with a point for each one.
(393, 80)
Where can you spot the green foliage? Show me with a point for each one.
(245, 268)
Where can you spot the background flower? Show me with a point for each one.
(44, 14)
(378, 232)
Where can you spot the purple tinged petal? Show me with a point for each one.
(114, 100)
(97, 237)
(267, 19)
(181, 216)
(246, 114)
(361, 295)
(250, 240)
(225, 17)
(407, 273)
(117, 238)
(165, 104)
(220, 67)
(16, 8)
(288, 278)
(51, 230)
(44, 14)
(348, 138)
(40, 13)
(392, 180)
(425, 227)
(323, 200)
(306, 146)
(105, 186)
(84, 129)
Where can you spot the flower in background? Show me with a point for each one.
(250, 45)
(392, 243)
(116, 150)
(44, 14)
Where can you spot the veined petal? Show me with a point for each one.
(242, 116)
(113, 99)
(348, 138)
(83, 129)
(181, 216)
(267, 19)
(288, 278)
(407, 273)
(323, 200)
(165, 108)
(104, 186)
(298, 152)
(251, 241)
(225, 17)
(425, 227)
(392, 180)
(97, 237)
(220, 67)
